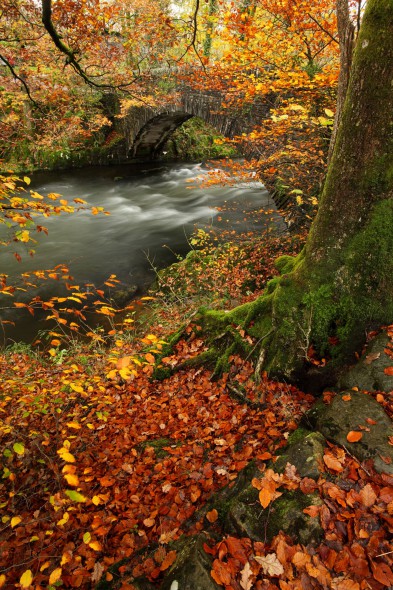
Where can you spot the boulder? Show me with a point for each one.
(355, 411)
(368, 373)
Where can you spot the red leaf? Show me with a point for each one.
(388, 371)
(382, 573)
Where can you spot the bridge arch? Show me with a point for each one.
(147, 129)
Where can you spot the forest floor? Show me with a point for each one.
(100, 463)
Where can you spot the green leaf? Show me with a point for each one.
(75, 496)
(87, 537)
(19, 448)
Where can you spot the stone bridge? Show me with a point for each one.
(146, 129)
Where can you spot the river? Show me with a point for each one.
(153, 213)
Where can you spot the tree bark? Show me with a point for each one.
(346, 32)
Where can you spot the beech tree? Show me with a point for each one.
(340, 286)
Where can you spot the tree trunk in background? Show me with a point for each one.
(341, 284)
(346, 31)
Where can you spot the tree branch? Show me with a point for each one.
(71, 57)
(27, 89)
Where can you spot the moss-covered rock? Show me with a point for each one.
(369, 373)
(304, 451)
(192, 567)
(247, 517)
(352, 411)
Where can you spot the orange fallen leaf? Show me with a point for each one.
(354, 436)
(169, 559)
(346, 398)
(212, 515)
(388, 371)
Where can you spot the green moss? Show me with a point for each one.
(285, 264)
(158, 445)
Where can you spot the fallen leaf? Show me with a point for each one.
(170, 558)
(332, 462)
(55, 576)
(368, 495)
(388, 371)
(354, 436)
(212, 515)
(26, 579)
(270, 564)
(246, 577)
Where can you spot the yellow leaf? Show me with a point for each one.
(26, 179)
(72, 479)
(55, 576)
(52, 352)
(24, 236)
(329, 113)
(74, 425)
(124, 374)
(95, 545)
(16, 520)
(66, 456)
(77, 388)
(2, 580)
(66, 558)
(44, 566)
(26, 579)
(96, 500)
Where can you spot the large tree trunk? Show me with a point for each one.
(341, 284)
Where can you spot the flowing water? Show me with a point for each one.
(153, 213)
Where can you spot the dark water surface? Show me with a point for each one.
(153, 213)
